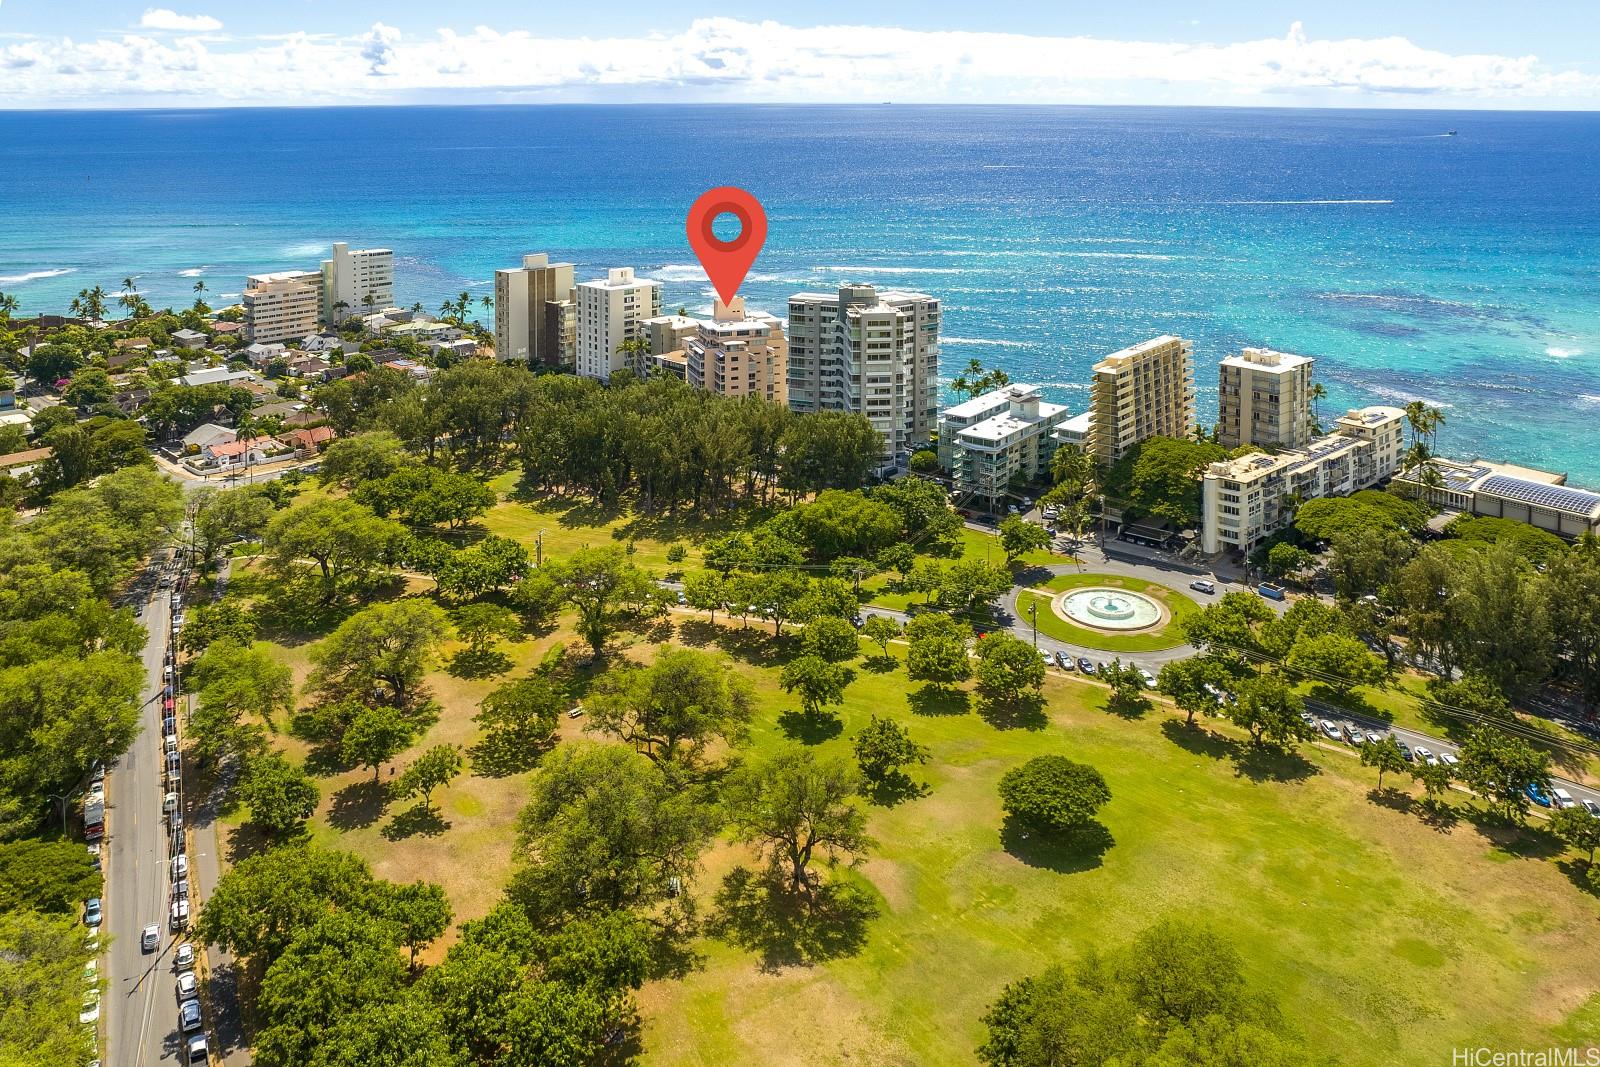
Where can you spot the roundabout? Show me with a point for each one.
(1112, 613)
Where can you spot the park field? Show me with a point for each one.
(1389, 939)
(1387, 936)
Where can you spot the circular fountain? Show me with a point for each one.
(1104, 608)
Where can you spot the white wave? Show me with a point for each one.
(308, 248)
(984, 341)
(192, 272)
(1588, 400)
(678, 272)
(891, 270)
(1563, 353)
(34, 275)
(1293, 203)
(1401, 396)
(229, 296)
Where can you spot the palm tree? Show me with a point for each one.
(488, 303)
(1436, 419)
(417, 307)
(463, 301)
(128, 298)
(1416, 415)
(339, 308)
(8, 305)
(635, 349)
(95, 303)
(368, 301)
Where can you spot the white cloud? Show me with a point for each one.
(164, 18)
(731, 59)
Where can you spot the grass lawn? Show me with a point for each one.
(1389, 941)
(570, 523)
(1052, 624)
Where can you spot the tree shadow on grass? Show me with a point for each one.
(1030, 574)
(478, 663)
(880, 664)
(1581, 873)
(1393, 799)
(1438, 815)
(697, 633)
(246, 840)
(357, 805)
(896, 787)
(1083, 850)
(932, 700)
(1514, 838)
(810, 729)
(757, 912)
(500, 755)
(1269, 763)
(1200, 741)
(1025, 713)
(417, 821)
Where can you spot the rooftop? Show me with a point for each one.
(1542, 494)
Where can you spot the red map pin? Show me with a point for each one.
(727, 262)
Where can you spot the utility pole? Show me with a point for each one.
(1033, 615)
(538, 550)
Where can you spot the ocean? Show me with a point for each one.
(1462, 270)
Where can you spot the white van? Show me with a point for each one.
(1563, 798)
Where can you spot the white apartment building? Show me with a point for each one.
(1506, 491)
(610, 310)
(533, 304)
(1143, 391)
(869, 352)
(1246, 500)
(1264, 398)
(281, 306)
(738, 353)
(993, 440)
(356, 283)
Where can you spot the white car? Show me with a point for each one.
(1374, 737)
(183, 958)
(178, 915)
(197, 1051)
(1200, 585)
(1590, 806)
(188, 986)
(1563, 798)
(1426, 757)
(180, 866)
(91, 1008)
(1449, 759)
(1149, 679)
(189, 1016)
(1331, 728)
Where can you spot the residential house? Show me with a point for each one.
(207, 434)
(189, 339)
(249, 452)
(309, 441)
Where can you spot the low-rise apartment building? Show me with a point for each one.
(1244, 501)
(998, 439)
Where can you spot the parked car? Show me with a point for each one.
(1537, 795)
(1405, 749)
(1084, 665)
(183, 958)
(180, 889)
(858, 620)
(1427, 757)
(169, 726)
(1064, 661)
(1149, 679)
(188, 986)
(1563, 799)
(1200, 585)
(91, 912)
(197, 1051)
(94, 854)
(90, 1015)
(178, 915)
(1374, 737)
(1044, 655)
(180, 866)
(1449, 759)
(189, 1019)
(150, 940)
(1330, 728)
(1354, 734)
(1590, 806)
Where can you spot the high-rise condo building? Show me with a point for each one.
(869, 352)
(356, 283)
(611, 311)
(998, 439)
(283, 306)
(534, 314)
(738, 353)
(1146, 390)
(1264, 398)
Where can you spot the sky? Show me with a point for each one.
(1317, 53)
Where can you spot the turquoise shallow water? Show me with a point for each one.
(1457, 269)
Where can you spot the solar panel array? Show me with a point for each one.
(1555, 497)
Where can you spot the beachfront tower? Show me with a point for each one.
(1146, 390)
(1264, 398)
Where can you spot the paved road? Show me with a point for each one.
(140, 1009)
